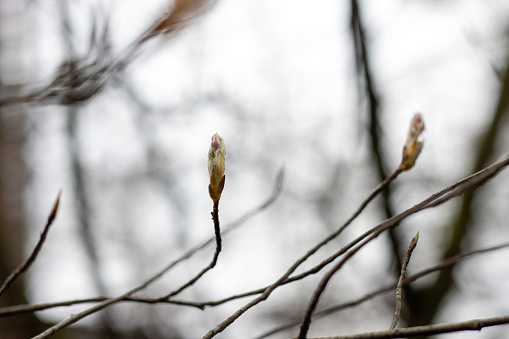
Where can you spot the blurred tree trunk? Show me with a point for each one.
(13, 176)
(12, 225)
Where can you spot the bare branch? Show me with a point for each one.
(364, 239)
(78, 316)
(485, 174)
(20, 309)
(387, 288)
(399, 288)
(470, 325)
(126, 296)
(27, 263)
(215, 217)
(476, 178)
(266, 293)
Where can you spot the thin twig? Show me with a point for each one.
(278, 187)
(373, 233)
(215, 218)
(306, 322)
(387, 288)
(266, 293)
(469, 325)
(28, 262)
(468, 182)
(399, 288)
(276, 192)
(20, 309)
(78, 316)
(485, 174)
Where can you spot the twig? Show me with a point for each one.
(276, 192)
(469, 325)
(27, 263)
(278, 186)
(368, 236)
(78, 316)
(399, 288)
(20, 309)
(387, 288)
(472, 180)
(326, 278)
(485, 173)
(266, 293)
(215, 218)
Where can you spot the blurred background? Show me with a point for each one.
(115, 102)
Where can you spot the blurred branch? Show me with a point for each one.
(364, 75)
(470, 325)
(162, 176)
(78, 176)
(180, 14)
(80, 79)
(27, 263)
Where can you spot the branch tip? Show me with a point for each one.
(54, 211)
(413, 144)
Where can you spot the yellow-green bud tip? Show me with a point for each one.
(414, 143)
(216, 164)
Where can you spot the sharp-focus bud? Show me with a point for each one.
(414, 143)
(217, 155)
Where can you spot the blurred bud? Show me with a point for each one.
(414, 143)
(217, 154)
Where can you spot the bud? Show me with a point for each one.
(414, 143)
(217, 154)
